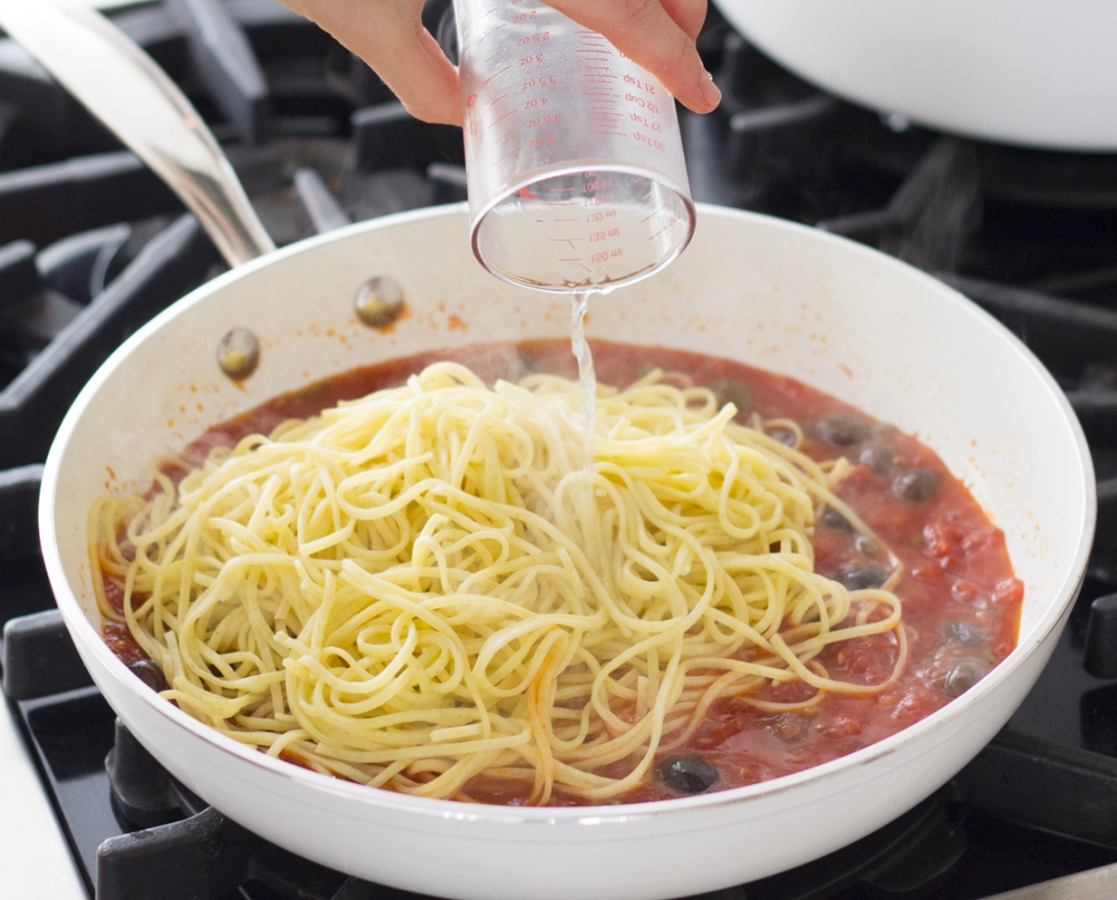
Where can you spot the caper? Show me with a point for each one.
(687, 774)
(963, 674)
(834, 519)
(860, 578)
(149, 673)
(915, 484)
(877, 457)
(842, 428)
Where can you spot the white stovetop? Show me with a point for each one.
(35, 860)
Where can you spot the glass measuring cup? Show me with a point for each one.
(574, 163)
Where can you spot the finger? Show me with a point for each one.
(689, 15)
(390, 37)
(644, 32)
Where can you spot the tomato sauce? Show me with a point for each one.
(961, 602)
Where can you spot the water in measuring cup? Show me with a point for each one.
(583, 229)
(574, 165)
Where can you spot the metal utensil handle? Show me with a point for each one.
(124, 88)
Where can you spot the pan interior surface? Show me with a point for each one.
(835, 315)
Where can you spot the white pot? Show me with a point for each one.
(840, 317)
(1033, 72)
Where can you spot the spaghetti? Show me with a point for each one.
(427, 585)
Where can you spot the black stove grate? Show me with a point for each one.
(92, 245)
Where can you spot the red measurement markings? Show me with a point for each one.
(490, 12)
(570, 259)
(495, 55)
(494, 31)
(506, 155)
(656, 213)
(506, 136)
(645, 86)
(502, 118)
(564, 220)
(501, 72)
(617, 133)
(498, 99)
(654, 143)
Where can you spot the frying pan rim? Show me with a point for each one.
(90, 642)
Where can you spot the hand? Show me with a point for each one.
(389, 35)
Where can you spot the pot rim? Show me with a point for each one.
(89, 641)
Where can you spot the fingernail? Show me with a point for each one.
(710, 92)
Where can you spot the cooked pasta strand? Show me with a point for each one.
(425, 584)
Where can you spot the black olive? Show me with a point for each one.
(842, 428)
(915, 484)
(834, 519)
(687, 774)
(859, 578)
(784, 435)
(789, 727)
(877, 457)
(963, 674)
(963, 633)
(149, 673)
(730, 390)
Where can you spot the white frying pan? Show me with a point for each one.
(843, 318)
(851, 321)
(1034, 72)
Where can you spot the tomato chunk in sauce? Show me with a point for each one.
(961, 601)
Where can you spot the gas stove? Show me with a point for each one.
(92, 245)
